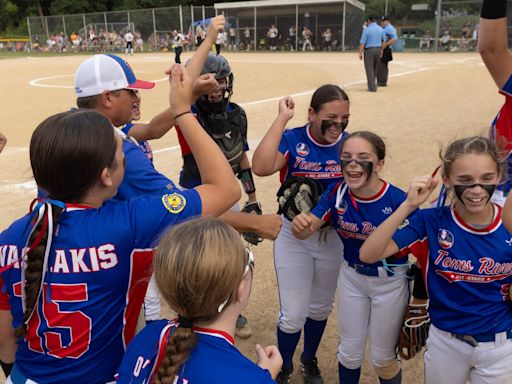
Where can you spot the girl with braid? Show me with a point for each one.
(205, 275)
(75, 270)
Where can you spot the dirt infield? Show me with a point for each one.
(430, 99)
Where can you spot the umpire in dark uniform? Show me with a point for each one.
(371, 46)
(387, 55)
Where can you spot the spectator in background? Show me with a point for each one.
(327, 36)
(128, 37)
(474, 37)
(306, 39)
(445, 40)
(219, 42)
(425, 41)
(75, 42)
(247, 38)
(292, 33)
(232, 39)
(139, 43)
(272, 37)
(178, 40)
(466, 30)
(92, 35)
(200, 34)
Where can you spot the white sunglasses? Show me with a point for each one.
(249, 265)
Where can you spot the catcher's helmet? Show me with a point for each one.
(219, 66)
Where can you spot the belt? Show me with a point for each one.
(372, 271)
(473, 340)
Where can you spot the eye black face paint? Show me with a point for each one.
(460, 188)
(331, 123)
(366, 165)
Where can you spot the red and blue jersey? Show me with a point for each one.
(356, 218)
(468, 270)
(144, 145)
(98, 270)
(501, 133)
(308, 158)
(214, 359)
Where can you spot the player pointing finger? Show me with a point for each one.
(465, 254)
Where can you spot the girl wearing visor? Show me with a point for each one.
(372, 297)
(307, 270)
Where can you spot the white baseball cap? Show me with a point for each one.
(106, 73)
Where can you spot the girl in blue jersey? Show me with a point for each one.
(307, 270)
(205, 275)
(466, 255)
(372, 297)
(74, 270)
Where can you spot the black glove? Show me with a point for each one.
(254, 208)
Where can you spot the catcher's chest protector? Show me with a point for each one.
(229, 131)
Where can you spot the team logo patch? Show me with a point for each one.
(341, 210)
(445, 239)
(174, 202)
(302, 149)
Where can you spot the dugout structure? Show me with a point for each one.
(343, 17)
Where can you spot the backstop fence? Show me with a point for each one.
(313, 24)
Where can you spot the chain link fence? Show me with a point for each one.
(443, 25)
(312, 25)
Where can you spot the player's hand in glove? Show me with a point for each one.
(253, 208)
(414, 332)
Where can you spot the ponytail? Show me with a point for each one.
(177, 351)
(36, 264)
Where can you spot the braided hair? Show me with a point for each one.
(198, 266)
(68, 152)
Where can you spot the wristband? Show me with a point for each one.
(181, 114)
(245, 176)
(494, 9)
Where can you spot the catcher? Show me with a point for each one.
(226, 123)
